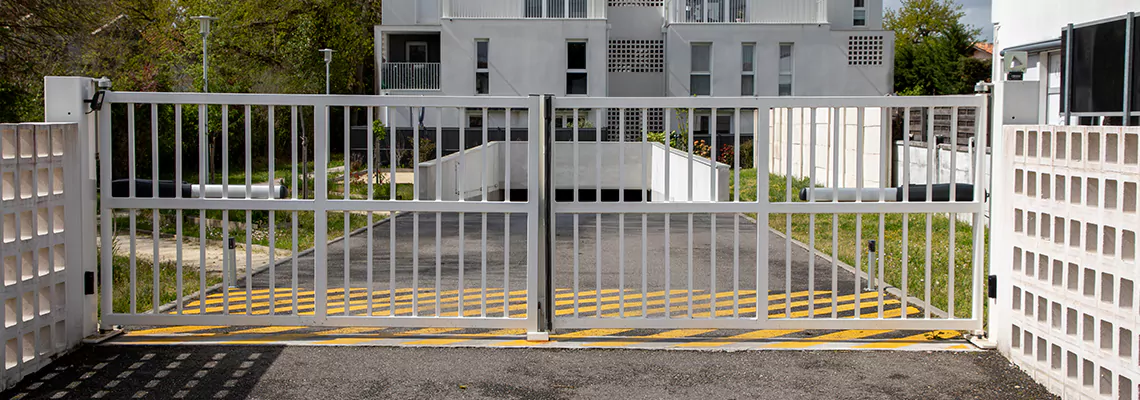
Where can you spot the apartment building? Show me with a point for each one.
(631, 48)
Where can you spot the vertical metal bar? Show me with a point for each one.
(977, 301)
(646, 191)
(690, 139)
(788, 217)
(392, 215)
(860, 154)
(416, 222)
(666, 156)
(835, 182)
(930, 160)
(621, 216)
(203, 150)
(536, 179)
(953, 217)
(293, 215)
(811, 217)
(439, 217)
(106, 214)
(1068, 74)
(228, 264)
(320, 203)
(346, 187)
(715, 195)
(905, 186)
(577, 187)
(886, 144)
(483, 177)
(507, 221)
(598, 216)
(371, 287)
(272, 219)
(248, 213)
(761, 146)
(154, 227)
(178, 239)
(131, 143)
(736, 218)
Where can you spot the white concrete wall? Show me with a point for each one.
(526, 56)
(1065, 206)
(963, 168)
(463, 175)
(819, 66)
(825, 146)
(840, 14)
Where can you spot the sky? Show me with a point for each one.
(977, 14)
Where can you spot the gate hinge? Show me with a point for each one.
(991, 284)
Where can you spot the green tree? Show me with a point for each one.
(932, 49)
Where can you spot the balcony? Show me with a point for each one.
(525, 9)
(409, 76)
(748, 11)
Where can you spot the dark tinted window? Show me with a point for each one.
(576, 55)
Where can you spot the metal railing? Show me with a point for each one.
(409, 76)
(525, 9)
(748, 11)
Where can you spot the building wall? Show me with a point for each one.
(820, 59)
(840, 14)
(526, 56)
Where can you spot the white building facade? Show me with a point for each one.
(632, 48)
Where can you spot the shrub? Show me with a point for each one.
(657, 137)
(700, 148)
(747, 154)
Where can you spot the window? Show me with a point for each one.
(482, 75)
(700, 79)
(576, 80)
(860, 13)
(747, 69)
(785, 81)
(475, 120)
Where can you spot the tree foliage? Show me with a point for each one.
(932, 49)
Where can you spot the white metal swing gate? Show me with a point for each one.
(678, 273)
(382, 281)
(542, 264)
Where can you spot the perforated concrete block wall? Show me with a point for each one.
(1068, 297)
(32, 248)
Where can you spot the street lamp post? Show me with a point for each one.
(204, 22)
(328, 60)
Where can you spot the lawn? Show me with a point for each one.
(892, 244)
(144, 289)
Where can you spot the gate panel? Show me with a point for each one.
(657, 230)
(404, 217)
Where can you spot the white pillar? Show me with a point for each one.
(63, 102)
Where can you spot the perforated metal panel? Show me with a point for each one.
(637, 56)
(654, 122)
(865, 50)
(637, 3)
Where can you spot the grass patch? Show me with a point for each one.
(892, 245)
(144, 279)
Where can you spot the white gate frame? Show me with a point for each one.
(320, 205)
(762, 208)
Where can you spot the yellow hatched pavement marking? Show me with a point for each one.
(831, 337)
(267, 329)
(349, 331)
(679, 303)
(464, 338)
(672, 334)
(572, 335)
(959, 347)
(754, 335)
(925, 337)
(173, 330)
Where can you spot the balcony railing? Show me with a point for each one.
(525, 9)
(409, 76)
(748, 11)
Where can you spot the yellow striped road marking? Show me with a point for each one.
(672, 334)
(754, 335)
(679, 303)
(287, 295)
(173, 330)
(267, 329)
(237, 301)
(831, 337)
(842, 308)
(782, 306)
(572, 335)
(910, 340)
(464, 338)
(350, 331)
(428, 331)
(959, 347)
